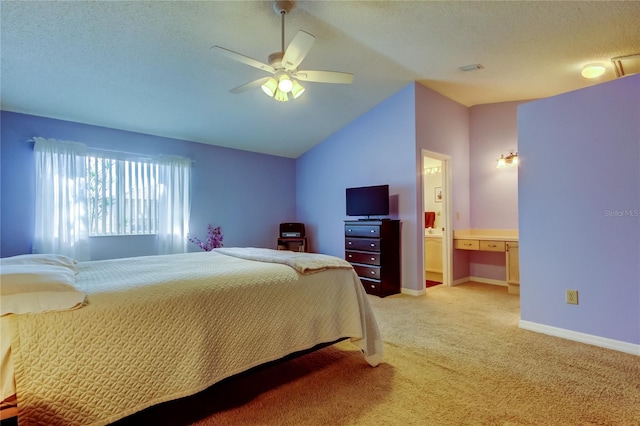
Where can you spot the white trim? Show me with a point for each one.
(460, 281)
(501, 283)
(589, 339)
(447, 236)
(411, 292)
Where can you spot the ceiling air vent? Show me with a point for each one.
(626, 65)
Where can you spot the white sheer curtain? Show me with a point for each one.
(62, 224)
(174, 204)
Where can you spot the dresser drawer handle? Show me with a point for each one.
(349, 242)
(348, 230)
(350, 255)
(373, 258)
(373, 272)
(467, 244)
(492, 245)
(372, 231)
(373, 286)
(373, 245)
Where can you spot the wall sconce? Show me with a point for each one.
(509, 160)
(432, 170)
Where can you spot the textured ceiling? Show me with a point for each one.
(147, 66)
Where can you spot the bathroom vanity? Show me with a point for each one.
(433, 255)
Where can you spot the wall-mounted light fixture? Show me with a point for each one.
(510, 160)
(432, 170)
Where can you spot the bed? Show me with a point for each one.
(156, 328)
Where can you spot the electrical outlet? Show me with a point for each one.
(572, 297)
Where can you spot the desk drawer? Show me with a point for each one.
(368, 244)
(468, 244)
(362, 231)
(492, 246)
(360, 257)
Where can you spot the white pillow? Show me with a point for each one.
(42, 259)
(35, 288)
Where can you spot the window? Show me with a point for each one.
(122, 196)
(81, 194)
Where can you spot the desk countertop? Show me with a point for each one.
(486, 234)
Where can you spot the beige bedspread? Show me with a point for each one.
(305, 263)
(162, 327)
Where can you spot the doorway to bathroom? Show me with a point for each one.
(436, 208)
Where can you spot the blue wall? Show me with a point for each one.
(248, 194)
(377, 148)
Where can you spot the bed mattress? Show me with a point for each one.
(162, 327)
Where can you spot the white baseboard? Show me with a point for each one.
(480, 280)
(491, 281)
(460, 281)
(411, 292)
(589, 339)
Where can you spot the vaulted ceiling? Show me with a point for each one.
(148, 66)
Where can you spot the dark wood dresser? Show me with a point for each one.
(373, 248)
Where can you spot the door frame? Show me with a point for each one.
(447, 235)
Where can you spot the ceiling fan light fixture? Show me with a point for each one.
(284, 83)
(281, 96)
(270, 86)
(297, 89)
(283, 65)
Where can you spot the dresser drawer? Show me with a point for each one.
(371, 286)
(360, 257)
(372, 272)
(361, 230)
(370, 244)
(468, 244)
(492, 246)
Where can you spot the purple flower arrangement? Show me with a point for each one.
(214, 239)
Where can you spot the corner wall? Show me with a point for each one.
(579, 210)
(442, 126)
(493, 192)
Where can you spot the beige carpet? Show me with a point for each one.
(453, 357)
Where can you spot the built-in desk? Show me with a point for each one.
(498, 240)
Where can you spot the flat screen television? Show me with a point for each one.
(368, 201)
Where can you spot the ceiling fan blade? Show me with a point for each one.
(297, 50)
(325, 76)
(251, 85)
(244, 59)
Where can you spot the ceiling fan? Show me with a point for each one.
(283, 65)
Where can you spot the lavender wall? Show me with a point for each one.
(579, 210)
(377, 148)
(248, 194)
(442, 126)
(493, 192)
